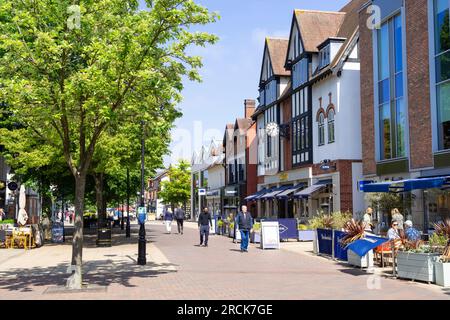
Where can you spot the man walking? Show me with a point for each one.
(245, 223)
(204, 222)
(179, 215)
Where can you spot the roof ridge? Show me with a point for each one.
(276, 38)
(320, 11)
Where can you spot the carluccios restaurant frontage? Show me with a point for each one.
(431, 198)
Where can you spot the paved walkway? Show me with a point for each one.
(178, 269)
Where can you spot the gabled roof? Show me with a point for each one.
(317, 26)
(348, 30)
(243, 124)
(277, 49)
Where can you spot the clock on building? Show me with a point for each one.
(272, 129)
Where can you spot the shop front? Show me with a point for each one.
(231, 200)
(214, 201)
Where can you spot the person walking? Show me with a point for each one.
(168, 218)
(245, 223)
(204, 223)
(179, 215)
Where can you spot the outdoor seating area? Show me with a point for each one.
(17, 238)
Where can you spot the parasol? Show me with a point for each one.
(23, 216)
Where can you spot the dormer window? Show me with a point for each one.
(324, 57)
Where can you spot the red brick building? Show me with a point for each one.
(405, 102)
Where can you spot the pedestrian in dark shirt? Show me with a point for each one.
(179, 215)
(245, 222)
(204, 223)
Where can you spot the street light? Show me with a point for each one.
(142, 260)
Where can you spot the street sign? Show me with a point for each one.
(202, 192)
(142, 215)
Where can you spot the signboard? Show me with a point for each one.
(288, 229)
(12, 186)
(339, 252)
(270, 235)
(283, 176)
(325, 241)
(212, 230)
(142, 214)
(362, 183)
(57, 233)
(202, 192)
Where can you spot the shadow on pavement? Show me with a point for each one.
(100, 272)
(354, 272)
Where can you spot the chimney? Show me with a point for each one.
(249, 105)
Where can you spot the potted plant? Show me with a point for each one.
(255, 236)
(305, 233)
(442, 265)
(322, 225)
(355, 231)
(415, 260)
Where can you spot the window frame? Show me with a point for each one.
(331, 126)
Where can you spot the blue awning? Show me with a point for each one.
(306, 193)
(257, 195)
(408, 185)
(285, 194)
(274, 192)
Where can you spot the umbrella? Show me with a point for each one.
(23, 216)
(364, 245)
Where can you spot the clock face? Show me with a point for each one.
(272, 129)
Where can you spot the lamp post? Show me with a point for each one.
(142, 260)
(127, 232)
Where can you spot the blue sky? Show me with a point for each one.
(232, 67)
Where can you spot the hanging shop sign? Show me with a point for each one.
(13, 186)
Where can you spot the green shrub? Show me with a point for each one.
(438, 242)
(302, 227)
(340, 219)
(257, 226)
(8, 221)
(321, 221)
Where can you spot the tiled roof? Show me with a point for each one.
(348, 30)
(243, 124)
(277, 51)
(317, 26)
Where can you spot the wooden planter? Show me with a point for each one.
(442, 272)
(306, 235)
(362, 262)
(416, 266)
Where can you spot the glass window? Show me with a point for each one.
(443, 100)
(321, 129)
(391, 89)
(442, 48)
(385, 128)
(441, 23)
(331, 137)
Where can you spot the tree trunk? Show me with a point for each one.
(101, 209)
(75, 281)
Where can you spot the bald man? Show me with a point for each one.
(245, 223)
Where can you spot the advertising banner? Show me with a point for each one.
(270, 235)
(339, 251)
(325, 241)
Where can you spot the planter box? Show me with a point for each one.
(442, 272)
(306, 235)
(362, 262)
(255, 237)
(416, 266)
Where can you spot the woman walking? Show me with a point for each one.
(168, 218)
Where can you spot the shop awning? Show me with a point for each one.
(408, 185)
(306, 193)
(257, 195)
(287, 193)
(275, 192)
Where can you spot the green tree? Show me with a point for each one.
(177, 190)
(72, 69)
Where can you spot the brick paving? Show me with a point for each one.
(178, 269)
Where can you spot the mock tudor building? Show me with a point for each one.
(405, 101)
(318, 147)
